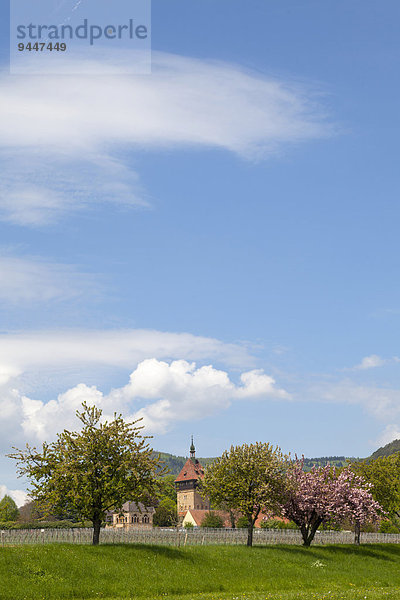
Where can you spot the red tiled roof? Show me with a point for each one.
(198, 515)
(192, 471)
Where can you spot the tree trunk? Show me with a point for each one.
(250, 533)
(232, 518)
(357, 532)
(96, 531)
(308, 532)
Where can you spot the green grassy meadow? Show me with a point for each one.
(108, 572)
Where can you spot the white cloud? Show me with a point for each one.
(68, 349)
(78, 127)
(370, 362)
(19, 496)
(159, 392)
(381, 402)
(27, 280)
(390, 433)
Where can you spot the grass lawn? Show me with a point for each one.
(200, 573)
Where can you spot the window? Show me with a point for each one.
(145, 519)
(135, 519)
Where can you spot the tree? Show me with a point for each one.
(91, 471)
(322, 495)
(8, 509)
(212, 519)
(248, 478)
(384, 475)
(166, 514)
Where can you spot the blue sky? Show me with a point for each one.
(214, 246)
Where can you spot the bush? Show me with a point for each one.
(166, 514)
(242, 523)
(388, 527)
(277, 524)
(44, 525)
(212, 520)
(188, 525)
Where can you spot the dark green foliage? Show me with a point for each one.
(277, 524)
(389, 527)
(242, 523)
(174, 464)
(387, 450)
(322, 461)
(8, 509)
(44, 525)
(212, 519)
(166, 514)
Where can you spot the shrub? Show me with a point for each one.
(388, 527)
(188, 525)
(242, 523)
(44, 525)
(212, 520)
(277, 524)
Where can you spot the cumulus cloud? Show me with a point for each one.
(373, 361)
(390, 433)
(78, 127)
(19, 496)
(160, 393)
(370, 362)
(31, 279)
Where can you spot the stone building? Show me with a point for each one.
(186, 484)
(133, 516)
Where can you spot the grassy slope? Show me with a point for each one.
(212, 573)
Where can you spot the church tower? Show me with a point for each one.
(186, 485)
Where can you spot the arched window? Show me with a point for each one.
(135, 519)
(145, 519)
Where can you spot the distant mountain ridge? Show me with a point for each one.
(387, 450)
(175, 463)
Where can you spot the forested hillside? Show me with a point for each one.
(387, 450)
(175, 463)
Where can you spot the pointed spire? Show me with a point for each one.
(192, 450)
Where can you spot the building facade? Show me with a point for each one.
(186, 484)
(133, 516)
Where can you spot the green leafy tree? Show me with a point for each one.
(384, 475)
(166, 488)
(8, 509)
(90, 471)
(166, 514)
(248, 478)
(212, 519)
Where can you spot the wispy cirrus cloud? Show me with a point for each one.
(122, 348)
(64, 139)
(30, 280)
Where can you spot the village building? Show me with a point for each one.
(186, 484)
(132, 516)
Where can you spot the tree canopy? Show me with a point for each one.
(248, 478)
(383, 474)
(323, 495)
(90, 471)
(8, 509)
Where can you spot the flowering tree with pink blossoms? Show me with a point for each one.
(322, 495)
